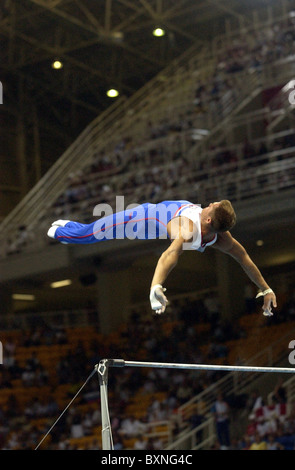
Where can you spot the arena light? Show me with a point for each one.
(26, 297)
(63, 283)
(57, 65)
(112, 93)
(117, 36)
(158, 32)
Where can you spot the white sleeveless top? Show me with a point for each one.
(193, 212)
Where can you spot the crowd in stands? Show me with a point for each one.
(126, 169)
(23, 423)
(161, 183)
(249, 53)
(155, 183)
(271, 425)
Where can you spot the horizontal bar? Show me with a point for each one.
(168, 365)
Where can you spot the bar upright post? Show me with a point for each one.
(106, 432)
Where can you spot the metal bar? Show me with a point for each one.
(169, 365)
(104, 364)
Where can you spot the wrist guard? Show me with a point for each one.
(266, 291)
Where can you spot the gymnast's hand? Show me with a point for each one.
(269, 301)
(158, 299)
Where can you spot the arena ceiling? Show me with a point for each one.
(102, 44)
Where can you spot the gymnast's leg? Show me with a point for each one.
(109, 227)
(143, 221)
(130, 223)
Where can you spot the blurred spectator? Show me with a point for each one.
(254, 402)
(272, 444)
(140, 443)
(118, 442)
(28, 377)
(9, 347)
(245, 442)
(221, 413)
(259, 443)
(76, 426)
(33, 362)
(131, 427)
(279, 394)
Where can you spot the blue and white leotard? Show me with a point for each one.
(143, 222)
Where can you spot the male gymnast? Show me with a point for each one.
(187, 225)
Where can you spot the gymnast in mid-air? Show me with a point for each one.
(188, 226)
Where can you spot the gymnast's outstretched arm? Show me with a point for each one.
(229, 245)
(167, 261)
(181, 230)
